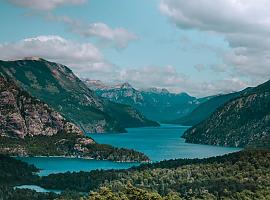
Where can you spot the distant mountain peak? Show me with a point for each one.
(126, 85)
(94, 84)
(157, 90)
(32, 58)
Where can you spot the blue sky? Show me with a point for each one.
(145, 42)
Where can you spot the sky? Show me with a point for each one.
(195, 46)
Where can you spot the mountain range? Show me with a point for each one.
(205, 109)
(29, 127)
(240, 122)
(156, 104)
(56, 85)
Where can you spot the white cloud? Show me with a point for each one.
(245, 25)
(168, 77)
(80, 56)
(45, 4)
(87, 61)
(222, 86)
(163, 77)
(116, 37)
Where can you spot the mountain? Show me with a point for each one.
(156, 104)
(204, 110)
(56, 85)
(95, 84)
(30, 127)
(23, 115)
(243, 121)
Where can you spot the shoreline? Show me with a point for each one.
(83, 158)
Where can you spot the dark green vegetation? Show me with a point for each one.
(31, 128)
(134, 119)
(129, 193)
(155, 104)
(243, 121)
(204, 110)
(15, 172)
(165, 106)
(56, 85)
(241, 175)
(69, 145)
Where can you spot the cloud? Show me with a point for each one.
(80, 56)
(245, 25)
(168, 77)
(199, 67)
(163, 77)
(45, 5)
(219, 68)
(116, 37)
(87, 61)
(222, 86)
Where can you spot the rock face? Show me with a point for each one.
(29, 127)
(56, 85)
(22, 115)
(155, 104)
(243, 121)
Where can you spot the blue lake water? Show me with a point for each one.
(37, 188)
(158, 143)
(51, 165)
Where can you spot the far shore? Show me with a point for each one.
(83, 158)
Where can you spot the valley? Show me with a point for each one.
(63, 154)
(158, 143)
(134, 100)
(155, 103)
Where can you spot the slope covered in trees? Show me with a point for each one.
(60, 88)
(204, 110)
(238, 175)
(243, 121)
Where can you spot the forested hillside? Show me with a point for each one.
(243, 121)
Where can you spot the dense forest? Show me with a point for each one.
(241, 175)
(63, 144)
(244, 173)
(240, 122)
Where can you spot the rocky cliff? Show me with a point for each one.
(22, 115)
(29, 127)
(243, 121)
(56, 85)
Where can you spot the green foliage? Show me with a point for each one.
(129, 193)
(159, 106)
(241, 175)
(243, 121)
(225, 177)
(63, 144)
(14, 171)
(57, 86)
(204, 110)
(8, 193)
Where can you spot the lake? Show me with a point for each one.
(158, 143)
(37, 188)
